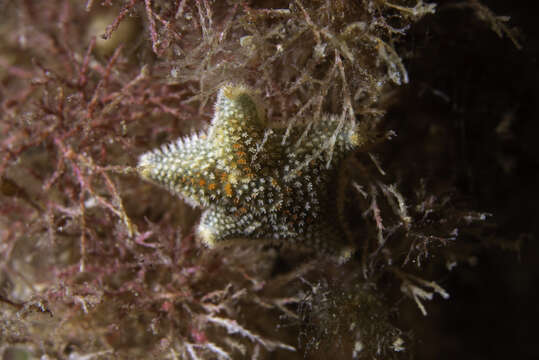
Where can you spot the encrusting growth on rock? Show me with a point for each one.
(257, 182)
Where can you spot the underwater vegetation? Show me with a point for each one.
(318, 198)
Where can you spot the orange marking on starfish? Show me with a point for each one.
(224, 176)
(228, 189)
(212, 186)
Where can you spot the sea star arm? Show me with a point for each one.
(320, 145)
(187, 167)
(210, 168)
(218, 225)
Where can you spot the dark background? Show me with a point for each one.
(472, 106)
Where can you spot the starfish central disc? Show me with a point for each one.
(257, 182)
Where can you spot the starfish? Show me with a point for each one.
(258, 182)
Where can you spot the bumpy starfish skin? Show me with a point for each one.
(257, 182)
